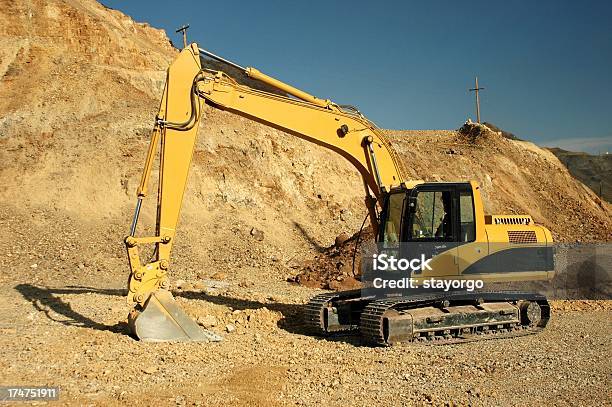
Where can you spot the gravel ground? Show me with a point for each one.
(63, 322)
(74, 335)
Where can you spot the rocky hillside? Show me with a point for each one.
(80, 85)
(595, 171)
(78, 93)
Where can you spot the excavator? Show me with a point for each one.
(447, 216)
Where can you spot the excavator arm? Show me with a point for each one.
(156, 317)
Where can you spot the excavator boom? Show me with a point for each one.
(156, 315)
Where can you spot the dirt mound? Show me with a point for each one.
(337, 267)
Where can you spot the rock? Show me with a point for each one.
(346, 269)
(219, 275)
(341, 239)
(180, 284)
(34, 266)
(257, 234)
(150, 369)
(199, 285)
(348, 283)
(207, 321)
(230, 328)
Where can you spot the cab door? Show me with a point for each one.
(431, 229)
(470, 250)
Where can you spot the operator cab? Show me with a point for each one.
(429, 212)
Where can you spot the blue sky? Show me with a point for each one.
(546, 65)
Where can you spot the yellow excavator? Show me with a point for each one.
(463, 243)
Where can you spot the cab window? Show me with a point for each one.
(431, 218)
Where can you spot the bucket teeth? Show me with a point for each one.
(162, 320)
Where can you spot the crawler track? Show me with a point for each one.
(322, 317)
(376, 329)
(432, 318)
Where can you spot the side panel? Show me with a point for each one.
(500, 259)
(509, 259)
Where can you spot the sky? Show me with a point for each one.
(546, 66)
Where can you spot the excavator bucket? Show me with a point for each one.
(162, 320)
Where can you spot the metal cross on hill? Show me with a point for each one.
(476, 89)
